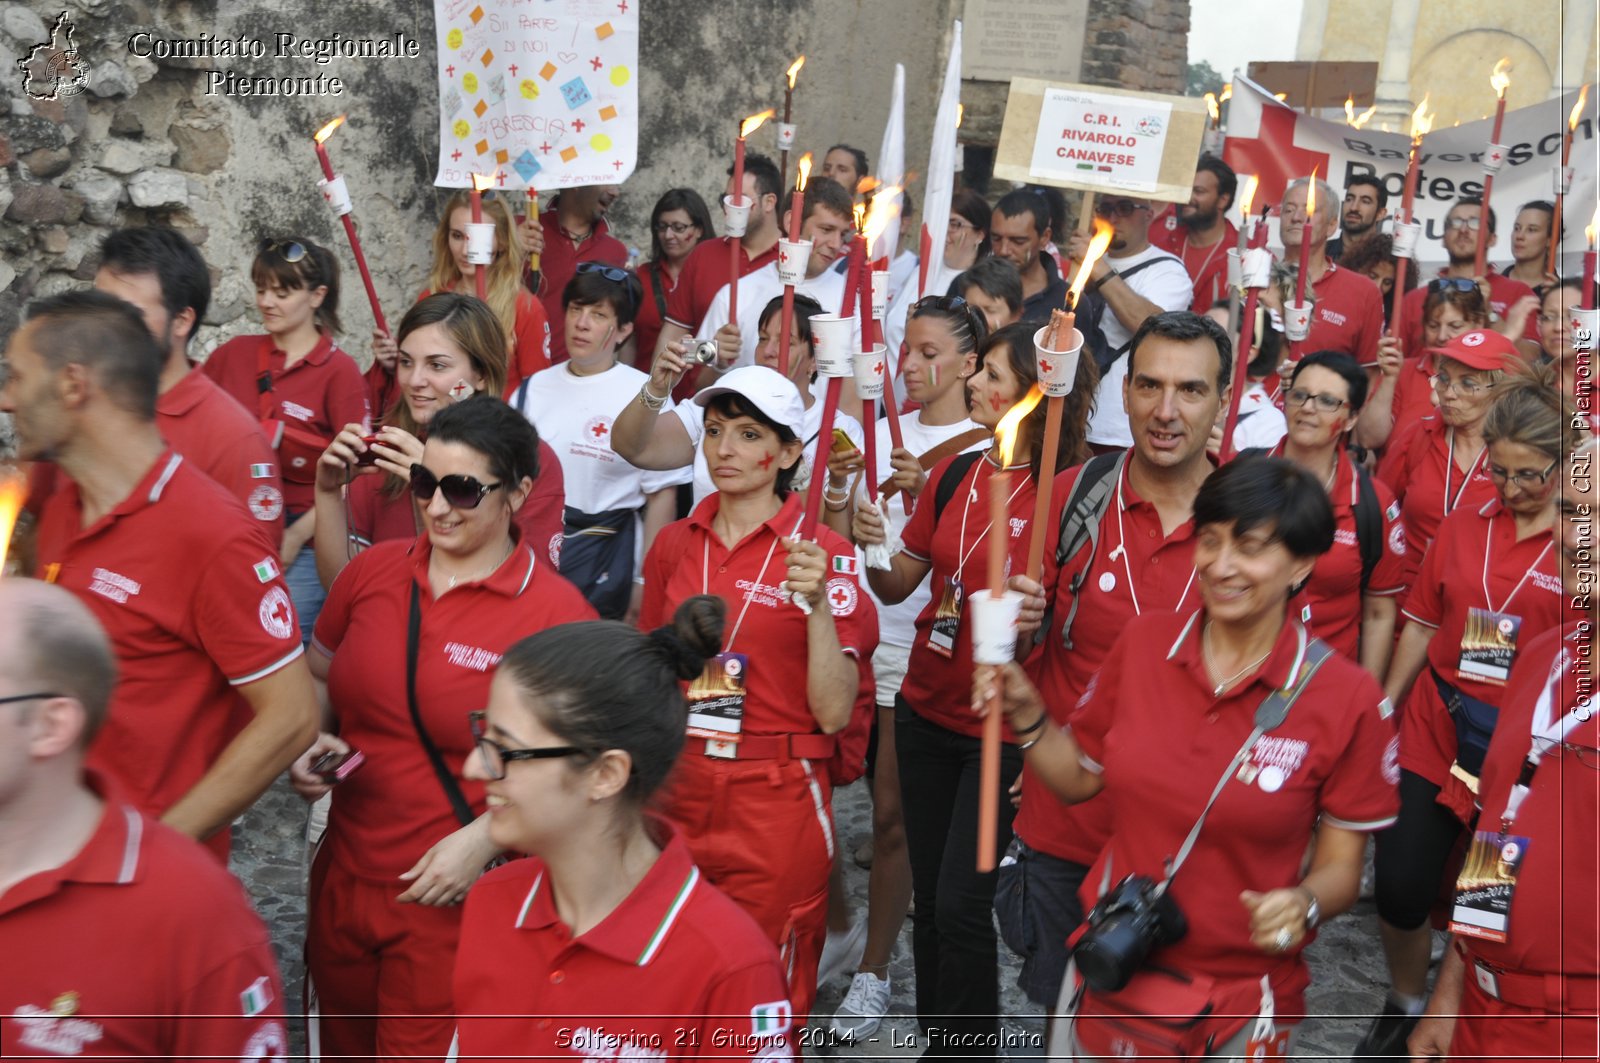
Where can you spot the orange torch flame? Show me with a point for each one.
(794, 70)
(1311, 194)
(884, 210)
(1251, 184)
(327, 131)
(961, 110)
(1097, 247)
(1211, 106)
(754, 122)
(1593, 227)
(1227, 92)
(1005, 433)
(1356, 121)
(13, 491)
(1577, 108)
(805, 171)
(1501, 78)
(482, 182)
(1421, 122)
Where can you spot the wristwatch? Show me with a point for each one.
(1313, 910)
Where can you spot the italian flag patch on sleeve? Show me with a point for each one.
(845, 564)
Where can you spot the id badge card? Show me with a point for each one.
(716, 704)
(1488, 645)
(1487, 881)
(947, 618)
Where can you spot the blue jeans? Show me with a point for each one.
(305, 589)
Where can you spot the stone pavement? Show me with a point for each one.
(1346, 961)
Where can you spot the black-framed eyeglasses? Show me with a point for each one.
(42, 696)
(1118, 208)
(495, 756)
(1526, 479)
(290, 251)
(676, 228)
(460, 492)
(1453, 284)
(977, 324)
(1296, 397)
(615, 276)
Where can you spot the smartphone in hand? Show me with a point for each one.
(333, 767)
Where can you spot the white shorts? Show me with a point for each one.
(889, 671)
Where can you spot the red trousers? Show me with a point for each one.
(762, 832)
(1491, 1029)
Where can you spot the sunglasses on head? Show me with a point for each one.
(1455, 284)
(615, 276)
(460, 492)
(1118, 208)
(290, 251)
(951, 304)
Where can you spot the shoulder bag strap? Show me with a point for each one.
(458, 800)
(264, 380)
(934, 455)
(655, 286)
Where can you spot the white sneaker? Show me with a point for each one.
(863, 1008)
(842, 951)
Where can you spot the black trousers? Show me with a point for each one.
(1410, 857)
(953, 940)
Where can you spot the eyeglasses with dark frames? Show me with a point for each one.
(43, 696)
(1296, 397)
(461, 492)
(1527, 479)
(676, 228)
(495, 756)
(1118, 208)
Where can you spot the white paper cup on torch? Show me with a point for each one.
(1297, 321)
(337, 196)
(1057, 369)
(1235, 270)
(792, 258)
(1583, 324)
(880, 293)
(1494, 157)
(1561, 179)
(994, 626)
(786, 133)
(480, 242)
(1257, 267)
(1406, 234)
(869, 371)
(736, 214)
(830, 341)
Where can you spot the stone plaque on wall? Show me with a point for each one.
(1003, 39)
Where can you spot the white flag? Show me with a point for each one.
(940, 182)
(892, 167)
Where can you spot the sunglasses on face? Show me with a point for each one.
(460, 492)
(290, 251)
(1117, 208)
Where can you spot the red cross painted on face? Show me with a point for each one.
(596, 62)
(996, 403)
(839, 596)
(766, 462)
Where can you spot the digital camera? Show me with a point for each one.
(704, 352)
(1123, 929)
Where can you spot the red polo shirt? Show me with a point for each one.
(704, 273)
(1161, 570)
(373, 517)
(321, 393)
(1418, 464)
(657, 288)
(1413, 394)
(937, 687)
(385, 816)
(689, 558)
(677, 970)
(1475, 562)
(1207, 266)
(1347, 315)
(1503, 295)
(188, 587)
(1150, 726)
(138, 928)
(559, 263)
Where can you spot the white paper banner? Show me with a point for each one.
(543, 95)
(1114, 141)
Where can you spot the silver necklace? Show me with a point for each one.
(1205, 645)
(451, 581)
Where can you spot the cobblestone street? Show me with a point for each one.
(1347, 964)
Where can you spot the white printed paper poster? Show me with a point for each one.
(1089, 138)
(539, 93)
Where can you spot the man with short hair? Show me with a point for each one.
(123, 939)
(1019, 230)
(845, 165)
(1136, 280)
(1347, 310)
(1366, 204)
(572, 230)
(185, 581)
(1202, 233)
(1461, 246)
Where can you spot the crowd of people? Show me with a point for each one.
(567, 521)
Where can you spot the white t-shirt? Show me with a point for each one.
(897, 623)
(756, 290)
(1261, 424)
(574, 415)
(693, 416)
(1166, 284)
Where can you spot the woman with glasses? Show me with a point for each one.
(1349, 602)
(451, 347)
(1530, 245)
(407, 643)
(1525, 981)
(1404, 392)
(301, 385)
(678, 223)
(612, 925)
(1557, 342)
(1488, 586)
(937, 739)
(522, 318)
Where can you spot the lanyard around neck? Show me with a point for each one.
(750, 592)
(963, 551)
(1450, 467)
(1544, 732)
(1122, 551)
(1488, 548)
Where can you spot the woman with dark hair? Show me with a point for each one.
(301, 385)
(1530, 244)
(1374, 259)
(1230, 742)
(966, 242)
(678, 223)
(648, 958)
(1556, 339)
(752, 792)
(1489, 584)
(451, 347)
(409, 636)
(936, 737)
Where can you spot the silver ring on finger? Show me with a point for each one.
(1283, 939)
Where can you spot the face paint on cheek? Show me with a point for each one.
(766, 462)
(996, 403)
(933, 374)
(460, 390)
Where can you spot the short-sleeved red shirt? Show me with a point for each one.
(188, 587)
(1161, 570)
(1420, 467)
(689, 558)
(677, 970)
(1504, 293)
(387, 814)
(1413, 395)
(559, 263)
(1555, 910)
(138, 928)
(1347, 315)
(704, 274)
(1474, 548)
(1160, 739)
(321, 393)
(374, 517)
(657, 289)
(956, 544)
(1207, 266)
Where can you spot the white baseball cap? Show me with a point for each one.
(768, 391)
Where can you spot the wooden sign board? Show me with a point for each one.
(1319, 84)
(1095, 139)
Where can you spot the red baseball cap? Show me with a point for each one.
(1481, 349)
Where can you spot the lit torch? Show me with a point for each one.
(1405, 244)
(786, 130)
(13, 492)
(1494, 155)
(797, 206)
(1356, 121)
(1589, 233)
(1213, 109)
(334, 192)
(1563, 178)
(480, 272)
(1247, 319)
(748, 126)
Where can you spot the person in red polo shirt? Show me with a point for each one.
(410, 635)
(572, 230)
(301, 386)
(679, 222)
(1489, 584)
(1347, 310)
(1505, 296)
(1523, 977)
(1404, 394)
(1170, 729)
(180, 966)
(451, 347)
(1200, 233)
(752, 793)
(186, 582)
(626, 950)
